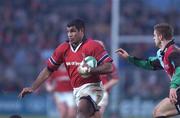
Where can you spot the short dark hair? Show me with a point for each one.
(78, 23)
(15, 116)
(165, 30)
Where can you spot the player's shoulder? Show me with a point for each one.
(63, 45)
(92, 42)
(175, 51)
(176, 48)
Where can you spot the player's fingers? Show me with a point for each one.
(84, 56)
(170, 97)
(119, 50)
(173, 98)
(170, 100)
(21, 94)
(78, 69)
(175, 95)
(24, 91)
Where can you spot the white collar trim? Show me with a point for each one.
(76, 49)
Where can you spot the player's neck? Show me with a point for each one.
(74, 45)
(165, 44)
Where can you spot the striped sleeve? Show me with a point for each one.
(104, 58)
(101, 54)
(56, 59)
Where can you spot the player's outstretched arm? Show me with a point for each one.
(44, 74)
(122, 53)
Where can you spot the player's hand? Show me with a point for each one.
(173, 95)
(26, 91)
(121, 52)
(84, 68)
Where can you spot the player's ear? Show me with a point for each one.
(160, 37)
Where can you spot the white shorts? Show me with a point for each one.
(104, 101)
(65, 97)
(94, 90)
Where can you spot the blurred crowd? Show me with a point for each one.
(31, 29)
(139, 16)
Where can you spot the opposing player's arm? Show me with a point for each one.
(152, 63)
(174, 59)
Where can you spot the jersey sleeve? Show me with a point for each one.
(175, 82)
(101, 54)
(56, 58)
(152, 63)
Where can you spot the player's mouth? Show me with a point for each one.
(71, 39)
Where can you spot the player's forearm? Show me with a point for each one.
(145, 64)
(44, 74)
(102, 69)
(175, 82)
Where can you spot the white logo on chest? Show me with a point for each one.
(73, 63)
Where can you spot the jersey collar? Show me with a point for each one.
(167, 46)
(75, 48)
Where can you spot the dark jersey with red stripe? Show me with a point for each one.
(169, 58)
(72, 57)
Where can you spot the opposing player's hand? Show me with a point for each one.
(121, 52)
(25, 91)
(173, 95)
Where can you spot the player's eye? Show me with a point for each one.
(73, 30)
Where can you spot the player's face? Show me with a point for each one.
(74, 35)
(156, 39)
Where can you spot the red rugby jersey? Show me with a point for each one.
(72, 58)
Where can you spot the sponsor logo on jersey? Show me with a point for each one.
(73, 63)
